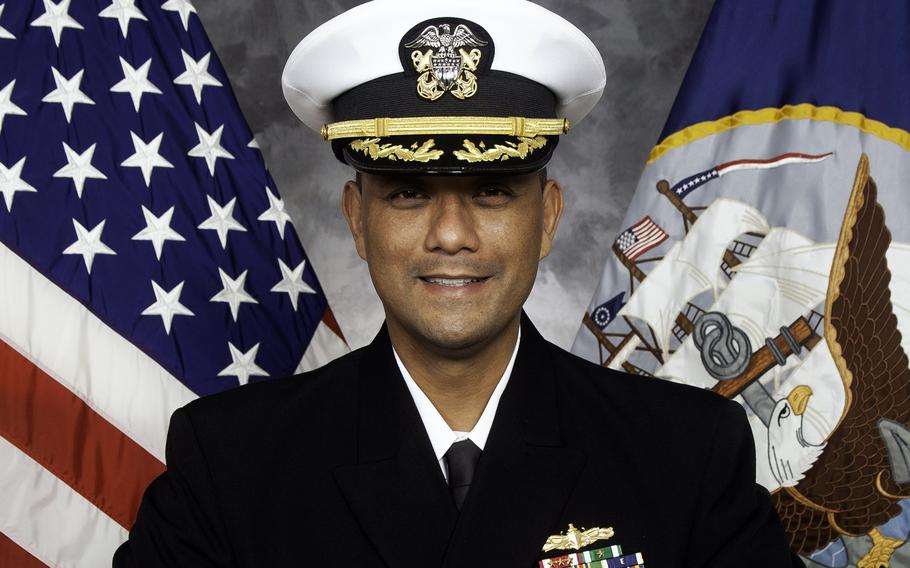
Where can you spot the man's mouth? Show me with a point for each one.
(453, 282)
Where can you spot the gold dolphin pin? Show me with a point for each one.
(576, 539)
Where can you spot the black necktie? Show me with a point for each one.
(460, 460)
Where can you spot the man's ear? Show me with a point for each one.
(352, 209)
(552, 213)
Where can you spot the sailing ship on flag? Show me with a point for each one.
(780, 180)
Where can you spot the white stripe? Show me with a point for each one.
(48, 519)
(72, 345)
(324, 347)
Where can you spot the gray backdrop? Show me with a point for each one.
(646, 45)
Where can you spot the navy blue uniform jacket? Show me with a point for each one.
(334, 468)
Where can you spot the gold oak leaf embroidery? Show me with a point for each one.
(372, 148)
(524, 148)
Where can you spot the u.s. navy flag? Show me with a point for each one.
(146, 258)
(781, 181)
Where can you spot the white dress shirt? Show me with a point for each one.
(441, 435)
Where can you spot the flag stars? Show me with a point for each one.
(243, 365)
(11, 182)
(7, 106)
(292, 282)
(232, 292)
(197, 75)
(158, 230)
(167, 305)
(210, 147)
(123, 11)
(222, 220)
(88, 244)
(146, 157)
(57, 18)
(79, 167)
(182, 7)
(275, 212)
(135, 82)
(67, 93)
(4, 33)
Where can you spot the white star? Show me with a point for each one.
(11, 182)
(275, 212)
(233, 293)
(4, 33)
(292, 282)
(135, 82)
(7, 106)
(123, 11)
(56, 18)
(254, 144)
(67, 93)
(88, 244)
(79, 167)
(183, 7)
(222, 220)
(146, 157)
(197, 74)
(167, 305)
(210, 147)
(157, 230)
(243, 365)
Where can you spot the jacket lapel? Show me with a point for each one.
(525, 474)
(396, 489)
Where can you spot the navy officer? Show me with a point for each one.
(459, 437)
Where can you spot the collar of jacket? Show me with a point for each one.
(524, 476)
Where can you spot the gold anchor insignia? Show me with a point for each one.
(575, 539)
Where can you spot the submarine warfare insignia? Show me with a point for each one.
(442, 68)
(575, 539)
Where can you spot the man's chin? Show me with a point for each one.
(455, 334)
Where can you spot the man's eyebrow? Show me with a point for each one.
(387, 180)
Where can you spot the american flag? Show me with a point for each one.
(146, 259)
(640, 238)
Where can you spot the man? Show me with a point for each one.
(459, 437)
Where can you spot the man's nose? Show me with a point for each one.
(452, 225)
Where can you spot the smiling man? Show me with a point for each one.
(453, 259)
(459, 437)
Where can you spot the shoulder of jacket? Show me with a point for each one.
(595, 381)
(330, 382)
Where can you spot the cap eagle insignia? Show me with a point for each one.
(443, 69)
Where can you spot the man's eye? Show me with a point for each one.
(407, 194)
(494, 192)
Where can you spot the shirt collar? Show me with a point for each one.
(441, 436)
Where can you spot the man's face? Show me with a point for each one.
(452, 258)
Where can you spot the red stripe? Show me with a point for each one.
(59, 431)
(14, 556)
(328, 318)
